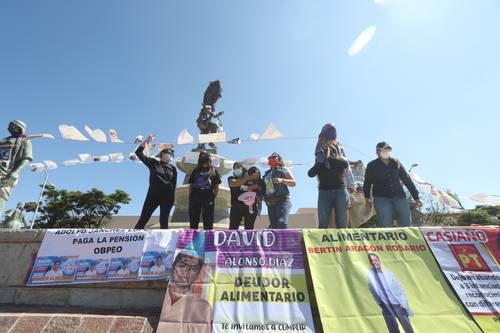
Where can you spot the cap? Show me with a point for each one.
(167, 151)
(383, 145)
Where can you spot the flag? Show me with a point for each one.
(97, 134)
(69, 163)
(85, 158)
(37, 167)
(116, 157)
(37, 136)
(71, 133)
(362, 40)
(270, 133)
(254, 136)
(185, 138)
(101, 158)
(212, 137)
(113, 136)
(50, 164)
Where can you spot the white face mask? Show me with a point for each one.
(385, 154)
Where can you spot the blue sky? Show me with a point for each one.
(427, 83)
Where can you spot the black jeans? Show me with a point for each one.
(201, 202)
(240, 211)
(394, 313)
(155, 198)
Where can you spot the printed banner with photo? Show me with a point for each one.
(470, 257)
(381, 280)
(69, 256)
(237, 281)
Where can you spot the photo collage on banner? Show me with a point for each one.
(69, 256)
(470, 257)
(381, 280)
(237, 281)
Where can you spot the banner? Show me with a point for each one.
(69, 256)
(381, 280)
(470, 257)
(237, 281)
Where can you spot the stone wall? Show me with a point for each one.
(17, 252)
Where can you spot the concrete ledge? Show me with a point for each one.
(21, 236)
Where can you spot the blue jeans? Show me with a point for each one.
(278, 215)
(338, 200)
(386, 207)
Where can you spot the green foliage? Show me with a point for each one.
(75, 209)
(481, 215)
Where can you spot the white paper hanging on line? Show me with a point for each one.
(271, 133)
(85, 158)
(69, 163)
(71, 133)
(113, 136)
(50, 164)
(185, 138)
(362, 40)
(38, 136)
(248, 162)
(212, 137)
(37, 167)
(101, 158)
(116, 157)
(97, 134)
(254, 136)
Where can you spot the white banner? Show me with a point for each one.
(69, 256)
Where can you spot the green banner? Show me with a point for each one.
(381, 280)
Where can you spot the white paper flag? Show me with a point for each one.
(254, 136)
(248, 162)
(85, 158)
(101, 158)
(50, 164)
(185, 138)
(37, 167)
(37, 136)
(362, 40)
(69, 163)
(97, 134)
(270, 133)
(71, 133)
(212, 137)
(113, 136)
(117, 157)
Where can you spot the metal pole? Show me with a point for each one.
(40, 197)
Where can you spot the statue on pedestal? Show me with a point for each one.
(209, 121)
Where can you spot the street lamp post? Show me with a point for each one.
(414, 165)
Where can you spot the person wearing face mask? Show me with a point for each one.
(162, 184)
(15, 153)
(240, 182)
(203, 189)
(277, 179)
(383, 177)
